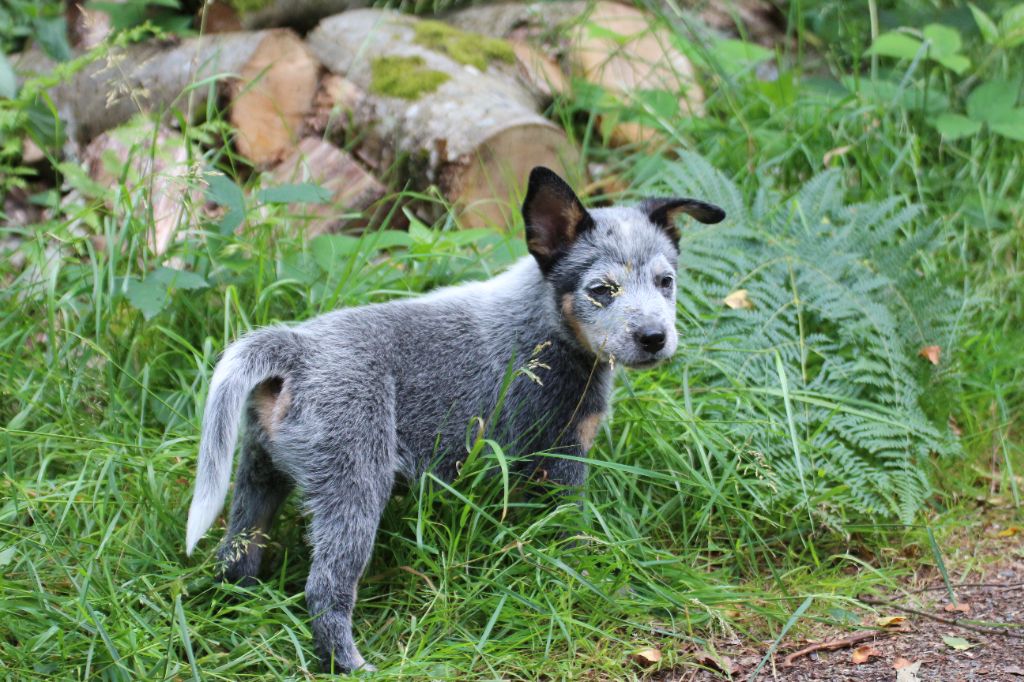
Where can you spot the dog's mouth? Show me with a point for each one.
(645, 363)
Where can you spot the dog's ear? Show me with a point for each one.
(663, 213)
(554, 217)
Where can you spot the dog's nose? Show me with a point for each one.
(651, 339)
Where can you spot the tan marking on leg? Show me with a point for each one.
(587, 428)
(272, 399)
(574, 323)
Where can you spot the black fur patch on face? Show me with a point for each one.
(663, 212)
(554, 217)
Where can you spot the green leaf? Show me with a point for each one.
(1011, 125)
(957, 63)
(387, 239)
(8, 81)
(302, 193)
(299, 266)
(177, 279)
(52, 35)
(149, 296)
(736, 56)
(595, 30)
(221, 190)
(1011, 27)
(153, 294)
(958, 643)
(418, 231)
(75, 175)
(660, 103)
(955, 126)
(329, 249)
(991, 101)
(7, 555)
(945, 40)
(887, 93)
(986, 26)
(894, 44)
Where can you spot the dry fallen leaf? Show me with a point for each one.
(931, 354)
(900, 663)
(863, 654)
(954, 426)
(1009, 532)
(722, 664)
(833, 153)
(738, 299)
(647, 657)
(1014, 670)
(962, 607)
(909, 673)
(890, 621)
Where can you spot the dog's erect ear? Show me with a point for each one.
(663, 213)
(553, 215)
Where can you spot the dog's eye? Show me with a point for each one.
(665, 281)
(600, 291)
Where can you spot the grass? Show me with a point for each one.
(99, 428)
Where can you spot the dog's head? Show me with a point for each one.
(613, 269)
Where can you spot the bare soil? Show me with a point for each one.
(986, 570)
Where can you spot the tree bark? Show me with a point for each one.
(300, 15)
(476, 135)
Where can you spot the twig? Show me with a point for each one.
(939, 619)
(835, 644)
(1002, 587)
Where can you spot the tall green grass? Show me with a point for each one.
(683, 540)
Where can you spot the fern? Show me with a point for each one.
(836, 298)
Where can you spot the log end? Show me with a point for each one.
(274, 94)
(488, 186)
(353, 191)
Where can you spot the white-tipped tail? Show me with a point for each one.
(245, 364)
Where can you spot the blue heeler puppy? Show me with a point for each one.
(343, 404)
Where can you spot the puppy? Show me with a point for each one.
(343, 404)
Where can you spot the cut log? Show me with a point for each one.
(354, 192)
(759, 20)
(273, 95)
(541, 71)
(624, 50)
(87, 27)
(619, 47)
(473, 132)
(333, 105)
(156, 77)
(300, 15)
(500, 19)
(217, 16)
(150, 160)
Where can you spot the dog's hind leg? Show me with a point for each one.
(342, 531)
(355, 468)
(260, 488)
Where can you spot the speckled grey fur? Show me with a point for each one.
(343, 404)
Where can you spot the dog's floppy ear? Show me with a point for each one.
(553, 215)
(663, 213)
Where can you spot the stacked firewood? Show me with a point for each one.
(368, 99)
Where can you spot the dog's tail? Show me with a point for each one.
(249, 361)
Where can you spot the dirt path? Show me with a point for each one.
(980, 637)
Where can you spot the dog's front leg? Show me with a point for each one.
(566, 475)
(570, 474)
